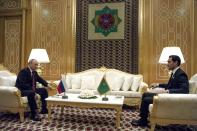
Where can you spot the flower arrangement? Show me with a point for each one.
(86, 94)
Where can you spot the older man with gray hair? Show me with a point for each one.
(26, 83)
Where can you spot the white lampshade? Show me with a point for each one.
(167, 51)
(40, 55)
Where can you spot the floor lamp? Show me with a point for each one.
(166, 52)
(41, 56)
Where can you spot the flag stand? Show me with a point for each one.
(105, 98)
(64, 96)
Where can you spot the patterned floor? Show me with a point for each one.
(76, 119)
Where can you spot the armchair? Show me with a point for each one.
(10, 96)
(173, 109)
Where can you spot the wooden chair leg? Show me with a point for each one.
(21, 114)
(153, 126)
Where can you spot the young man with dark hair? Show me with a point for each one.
(178, 83)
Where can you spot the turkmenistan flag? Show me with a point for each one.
(103, 87)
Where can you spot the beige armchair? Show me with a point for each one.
(11, 101)
(10, 96)
(173, 109)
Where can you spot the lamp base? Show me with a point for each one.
(39, 69)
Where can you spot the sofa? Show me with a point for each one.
(120, 83)
(10, 96)
(175, 108)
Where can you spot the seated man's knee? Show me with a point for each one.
(31, 94)
(146, 94)
(43, 92)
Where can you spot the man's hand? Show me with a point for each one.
(49, 87)
(158, 90)
(154, 85)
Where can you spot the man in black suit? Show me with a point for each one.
(26, 83)
(178, 83)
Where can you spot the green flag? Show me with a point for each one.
(103, 87)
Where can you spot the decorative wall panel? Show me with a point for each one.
(173, 28)
(10, 4)
(165, 23)
(113, 52)
(50, 30)
(12, 44)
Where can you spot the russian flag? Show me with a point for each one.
(60, 87)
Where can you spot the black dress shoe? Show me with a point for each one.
(35, 118)
(45, 111)
(140, 122)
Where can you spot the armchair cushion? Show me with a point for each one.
(128, 80)
(5, 73)
(136, 82)
(114, 81)
(67, 79)
(88, 82)
(75, 82)
(7, 80)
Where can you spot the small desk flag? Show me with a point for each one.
(103, 87)
(60, 87)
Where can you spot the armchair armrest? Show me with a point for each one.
(53, 86)
(173, 109)
(12, 95)
(175, 106)
(143, 87)
(193, 87)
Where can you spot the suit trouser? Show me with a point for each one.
(147, 99)
(31, 98)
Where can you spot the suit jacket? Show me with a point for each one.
(178, 83)
(24, 79)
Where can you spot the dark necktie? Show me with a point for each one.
(170, 81)
(33, 82)
(171, 76)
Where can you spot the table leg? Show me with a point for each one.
(118, 113)
(49, 111)
(62, 108)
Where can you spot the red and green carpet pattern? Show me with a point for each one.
(76, 119)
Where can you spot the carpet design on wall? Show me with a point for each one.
(76, 119)
(107, 46)
(106, 21)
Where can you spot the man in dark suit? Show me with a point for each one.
(26, 83)
(178, 83)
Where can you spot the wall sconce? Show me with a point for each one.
(41, 56)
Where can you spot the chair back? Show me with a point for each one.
(193, 84)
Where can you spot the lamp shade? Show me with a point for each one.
(40, 55)
(167, 51)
